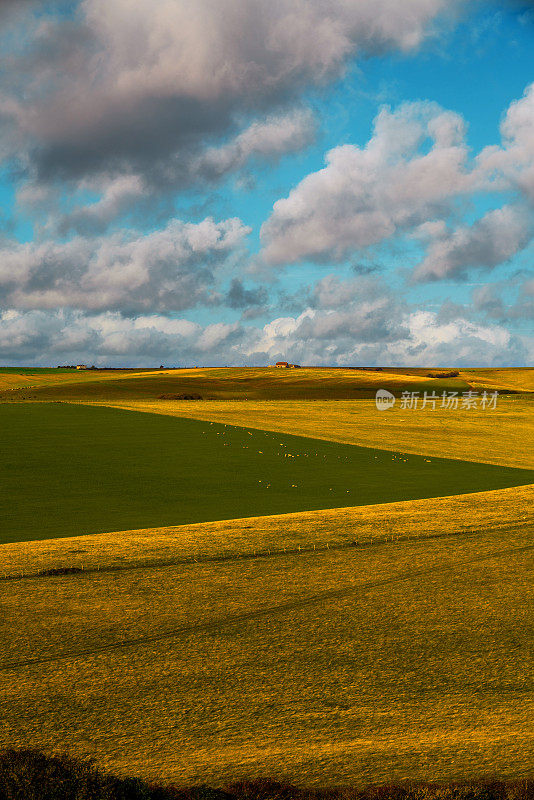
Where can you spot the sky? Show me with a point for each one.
(236, 182)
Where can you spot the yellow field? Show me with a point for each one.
(504, 436)
(346, 646)
(517, 379)
(398, 659)
(228, 378)
(14, 380)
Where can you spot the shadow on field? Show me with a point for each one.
(32, 775)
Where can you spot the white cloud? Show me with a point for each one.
(408, 179)
(511, 165)
(69, 336)
(366, 195)
(490, 241)
(169, 269)
(391, 336)
(380, 332)
(270, 139)
(331, 292)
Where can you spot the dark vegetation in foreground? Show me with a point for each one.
(32, 775)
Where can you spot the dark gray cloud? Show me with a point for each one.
(147, 86)
(239, 297)
(6, 6)
(366, 268)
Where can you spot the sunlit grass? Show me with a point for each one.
(402, 660)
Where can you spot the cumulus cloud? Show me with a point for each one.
(511, 164)
(147, 83)
(129, 102)
(332, 292)
(268, 139)
(109, 339)
(375, 332)
(117, 195)
(408, 179)
(490, 241)
(132, 193)
(488, 300)
(335, 335)
(366, 195)
(461, 342)
(388, 334)
(169, 269)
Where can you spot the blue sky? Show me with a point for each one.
(349, 184)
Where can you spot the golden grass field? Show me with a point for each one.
(356, 665)
(32, 379)
(344, 646)
(251, 383)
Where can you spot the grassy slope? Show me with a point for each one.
(358, 665)
(228, 384)
(520, 379)
(277, 534)
(70, 469)
(254, 383)
(19, 381)
(503, 436)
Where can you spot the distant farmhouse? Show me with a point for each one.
(286, 365)
(82, 366)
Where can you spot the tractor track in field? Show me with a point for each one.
(281, 608)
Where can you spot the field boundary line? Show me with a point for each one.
(321, 549)
(233, 619)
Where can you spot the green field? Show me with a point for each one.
(68, 470)
(38, 371)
